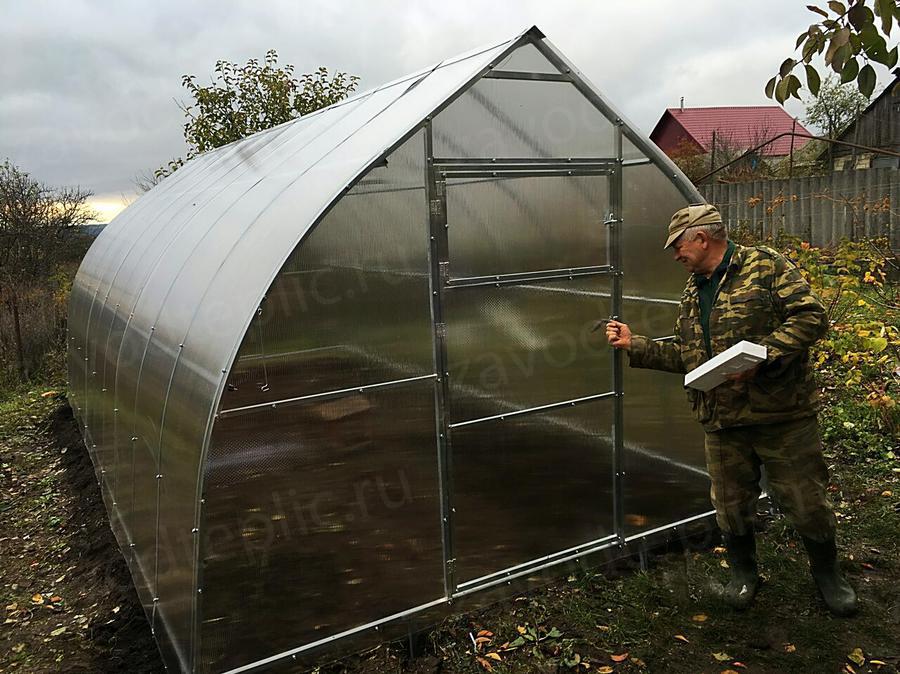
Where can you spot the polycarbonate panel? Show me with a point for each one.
(527, 59)
(320, 517)
(351, 305)
(651, 318)
(235, 288)
(531, 485)
(184, 433)
(522, 118)
(649, 200)
(517, 347)
(630, 151)
(665, 469)
(508, 225)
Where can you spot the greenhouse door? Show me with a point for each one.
(522, 273)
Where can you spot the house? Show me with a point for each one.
(878, 127)
(687, 131)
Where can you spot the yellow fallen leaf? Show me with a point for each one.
(887, 492)
(521, 630)
(619, 658)
(724, 564)
(47, 394)
(58, 631)
(681, 637)
(18, 648)
(856, 656)
(603, 628)
(12, 607)
(699, 618)
(719, 550)
(729, 671)
(880, 663)
(493, 656)
(789, 648)
(721, 657)
(37, 598)
(605, 669)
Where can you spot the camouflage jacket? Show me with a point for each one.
(764, 299)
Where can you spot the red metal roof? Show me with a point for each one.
(742, 125)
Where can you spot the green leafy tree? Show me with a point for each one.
(853, 37)
(38, 235)
(245, 99)
(835, 108)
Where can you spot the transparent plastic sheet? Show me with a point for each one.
(516, 347)
(508, 225)
(528, 59)
(665, 467)
(516, 493)
(522, 118)
(649, 200)
(333, 317)
(329, 507)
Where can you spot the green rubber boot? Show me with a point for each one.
(834, 588)
(741, 588)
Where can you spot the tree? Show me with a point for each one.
(38, 234)
(852, 36)
(835, 108)
(243, 100)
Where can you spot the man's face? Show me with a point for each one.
(690, 250)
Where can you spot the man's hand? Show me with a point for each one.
(618, 335)
(746, 375)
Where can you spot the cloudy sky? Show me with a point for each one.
(88, 89)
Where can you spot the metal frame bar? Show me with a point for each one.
(538, 564)
(526, 277)
(615, 242)
(560, 162)
(534, 410)
(439, 265)
(511, 172)
(337, 393)
(523, 167)
(517, 75)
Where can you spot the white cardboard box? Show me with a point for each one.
(742, 356)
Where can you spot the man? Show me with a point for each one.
(764, 416)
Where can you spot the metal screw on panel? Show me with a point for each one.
(159, 476)
(155, 599)
(195, 530)
(199, 590)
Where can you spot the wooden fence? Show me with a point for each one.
(822, 209)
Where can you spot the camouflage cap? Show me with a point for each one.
(691, 216)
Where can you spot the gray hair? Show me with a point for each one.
(716, 230)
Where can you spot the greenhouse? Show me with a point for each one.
(343, 375)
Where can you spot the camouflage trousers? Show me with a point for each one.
(795, 470)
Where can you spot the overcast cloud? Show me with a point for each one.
(88, 88)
